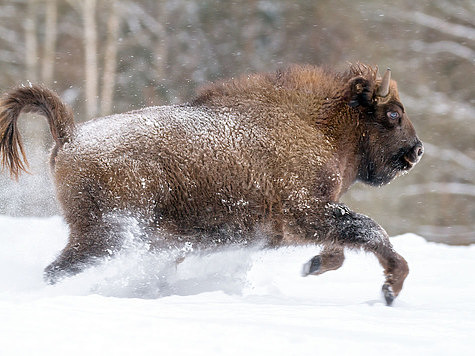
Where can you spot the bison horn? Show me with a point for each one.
(384, 87)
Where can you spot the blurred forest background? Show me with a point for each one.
(105, 56)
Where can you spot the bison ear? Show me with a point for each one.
(360, 92)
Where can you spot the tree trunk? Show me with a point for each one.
(110, 60)
(31, 44)
(90, 46)
(49, 50)
(161, 58)
(34, 128)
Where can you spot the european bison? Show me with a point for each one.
(267, 152)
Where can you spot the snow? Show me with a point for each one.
(236, 301)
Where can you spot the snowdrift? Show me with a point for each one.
(236, 301)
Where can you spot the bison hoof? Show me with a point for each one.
(51, 276)
(55, 273)
(388, 294)
(312, 266)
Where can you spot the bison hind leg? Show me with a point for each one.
(69, 263)
(74, 259)
(330, 259)
(87, 246)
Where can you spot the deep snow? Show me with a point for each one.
(232, 302)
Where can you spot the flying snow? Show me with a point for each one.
(234, 301)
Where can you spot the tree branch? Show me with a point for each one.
(440, 25)
(450, 155)
(440, 188)
(444, 46)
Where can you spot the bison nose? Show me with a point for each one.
(415, 153)
(419, 150)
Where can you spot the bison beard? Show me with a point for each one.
(268, 152)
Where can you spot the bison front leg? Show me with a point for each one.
(337, 227)
(331, 258)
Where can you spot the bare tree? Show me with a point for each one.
(34, 128)
(31, 43)
(49, 48)
(161, 49)
(90, 50)
(110, 60)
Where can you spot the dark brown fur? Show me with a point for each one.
(270, 152)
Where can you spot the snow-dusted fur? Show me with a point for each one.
(265, 156)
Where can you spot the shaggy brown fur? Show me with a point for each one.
(269, 153)
(33, 99)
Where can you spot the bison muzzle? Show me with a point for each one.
(271, 152)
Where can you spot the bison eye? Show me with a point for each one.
(393, 115)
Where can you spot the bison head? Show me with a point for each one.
(388, 144)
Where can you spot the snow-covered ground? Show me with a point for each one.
(232, 302)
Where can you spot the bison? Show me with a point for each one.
(270, 152)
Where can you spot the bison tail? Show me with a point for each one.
(33, 99)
